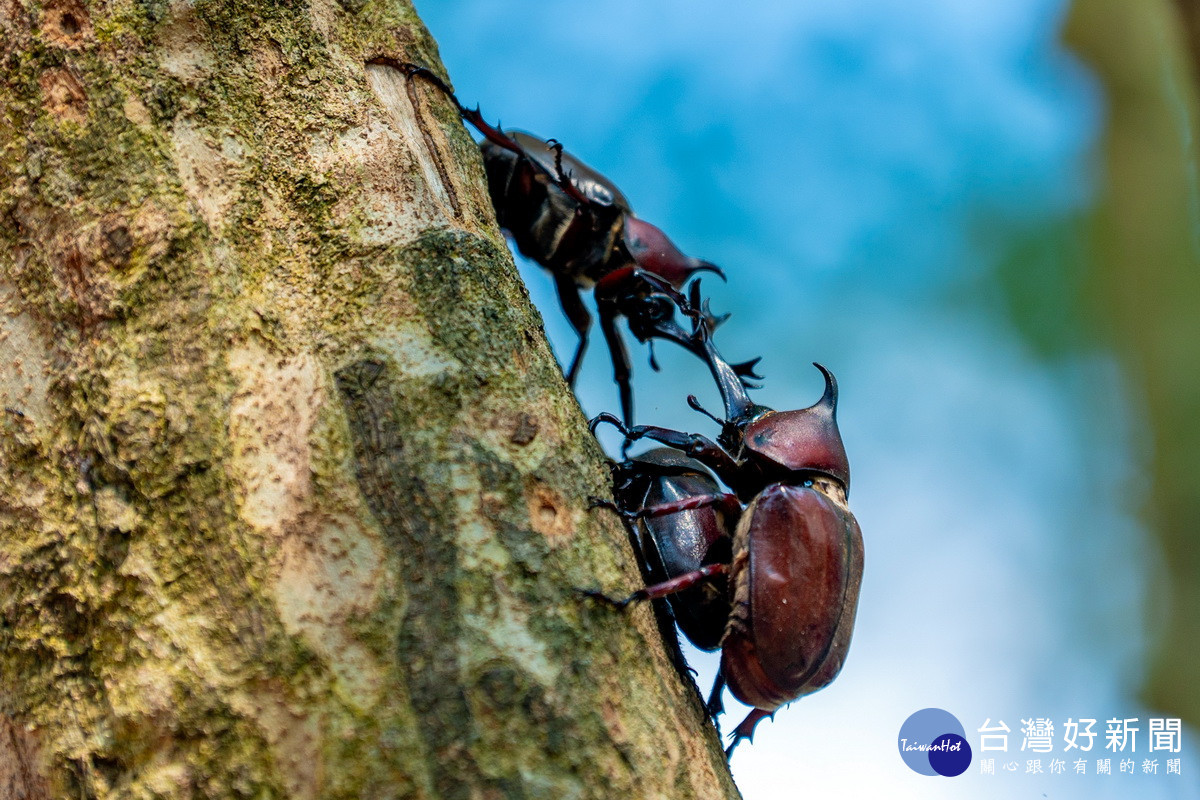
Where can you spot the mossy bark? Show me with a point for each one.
(292, 494)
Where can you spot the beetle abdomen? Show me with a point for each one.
(796, 570)
(549, 227)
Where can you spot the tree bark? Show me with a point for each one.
(292, 496)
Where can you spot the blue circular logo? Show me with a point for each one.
(933, 742)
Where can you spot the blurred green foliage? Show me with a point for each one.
(1126, 278)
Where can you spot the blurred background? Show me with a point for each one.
(984, 217)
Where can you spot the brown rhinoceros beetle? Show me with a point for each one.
(579, 226)
(797, 554)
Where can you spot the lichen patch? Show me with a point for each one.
(328, 572)
(415, 353)
(24, 359)
(181, 45)
(206, 170)
(63, 96)
(270, 418)
(294, 737)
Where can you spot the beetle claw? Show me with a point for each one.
(745, 729)
(601, 597)
(604, 416)
(628, 517)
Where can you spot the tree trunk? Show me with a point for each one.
(293, 496)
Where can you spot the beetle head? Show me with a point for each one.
(806, 440)
(654, 252)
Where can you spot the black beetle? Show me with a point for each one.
(670, 545)
(797, 554)
(578, 225)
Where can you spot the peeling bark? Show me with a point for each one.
(292, 496)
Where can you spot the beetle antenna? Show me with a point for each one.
(695, 406)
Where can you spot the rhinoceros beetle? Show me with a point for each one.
(797, 551)
(579, 226)
(670, 545)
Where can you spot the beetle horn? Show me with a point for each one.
(805, 440)
(830, 397)
(653, 251)
(700, 265)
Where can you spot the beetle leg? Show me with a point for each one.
(677, 584)
(492, 134)
(628, 517)
(579, 317)
(745, 729)
(653, 360)
(699, 447)
(618, 282)
(715, 707)
(662, 286)
(729, 505)
(662, 612)
(645, 330)
(620, 359)
(563, 178)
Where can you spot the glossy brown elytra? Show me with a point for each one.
(797, 550)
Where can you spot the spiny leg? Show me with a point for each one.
(492, 134)
(677, 584)
(662, 611)
(745, 729)
(579, 317)
(728, 503)
(563, 178)
(715, 706)
(623, 283)
(699, 447)
(620, 359)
